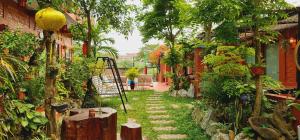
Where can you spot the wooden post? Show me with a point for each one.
(90, 124)
(198, 69)
(131, 131)
(298, 38)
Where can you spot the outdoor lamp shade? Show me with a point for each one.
(50, 19)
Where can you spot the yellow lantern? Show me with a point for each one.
(50, 19)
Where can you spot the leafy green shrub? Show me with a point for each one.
(19, 43)
(35, 90)
(132, 73)
(20, 120)
(227, 85)
(77, 72)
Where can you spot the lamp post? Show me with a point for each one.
(50, 21)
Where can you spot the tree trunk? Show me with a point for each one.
(208, 30)
(175, 78)
(258, 78)
(89, 35)
(50, 86)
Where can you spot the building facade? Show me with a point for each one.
(14, 15)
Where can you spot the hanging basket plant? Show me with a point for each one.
(258, 70)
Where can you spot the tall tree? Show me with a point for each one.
(210, 12)
(99, 41)
(259, 16)
(164, 19)
(107, 14)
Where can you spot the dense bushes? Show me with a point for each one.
(228, 85)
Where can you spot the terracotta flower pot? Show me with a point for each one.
(5, 51)
(258, 70)
(21, 95)
(40, 109)
(25, 58)
(243, 62)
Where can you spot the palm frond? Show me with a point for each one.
(108, 49)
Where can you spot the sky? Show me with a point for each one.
(134, 41)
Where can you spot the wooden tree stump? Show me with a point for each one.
(131, 131)
(90, 124)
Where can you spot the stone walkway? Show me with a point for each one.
(159, 116)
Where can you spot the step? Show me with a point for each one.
(154, 102)
(154, 105)
(165, 128)
(157, 112)
(153, 98)
(159, 117)
(156, 108)
(162, 122)
(157, 99)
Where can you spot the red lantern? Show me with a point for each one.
(85, 48)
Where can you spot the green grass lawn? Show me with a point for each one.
(137, 102)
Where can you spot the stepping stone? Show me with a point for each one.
(159, 117)
(165, 128)
(175, 106)
(154, 102)
(154, 105)
(162, 122)
(128, 107)
(172, 136)
(153, 99)
(135, 99)
(157, 112)
(156, 108)
(131, 120)
(156, 95)
(189, 106)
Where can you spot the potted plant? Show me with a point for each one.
(131, 74)
(21, 94)
(258, 69)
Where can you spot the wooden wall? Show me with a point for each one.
(287, 66)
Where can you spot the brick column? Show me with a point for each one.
(198, 69)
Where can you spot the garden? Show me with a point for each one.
(217, 61)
